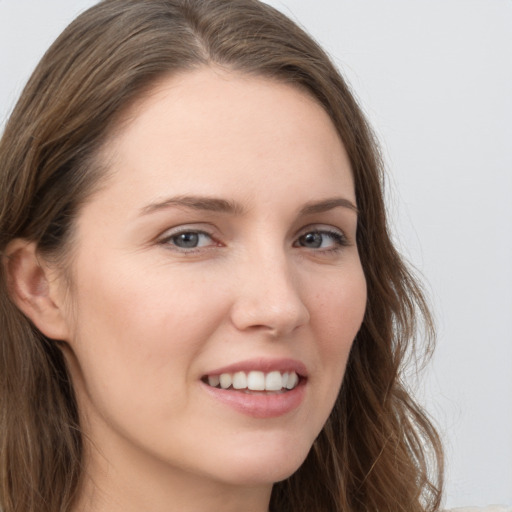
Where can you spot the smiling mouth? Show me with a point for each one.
(254, 381)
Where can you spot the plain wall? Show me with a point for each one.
(435, 79)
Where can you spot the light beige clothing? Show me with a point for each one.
(491, 508)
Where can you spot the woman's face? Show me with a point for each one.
(221, 251)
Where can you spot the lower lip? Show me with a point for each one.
(260, 405)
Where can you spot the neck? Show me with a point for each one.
(134, 485)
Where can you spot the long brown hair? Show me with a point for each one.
(378, 450)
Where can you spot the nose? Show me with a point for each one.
(269, 297)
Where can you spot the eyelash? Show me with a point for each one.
(338, 237)
(170, 240)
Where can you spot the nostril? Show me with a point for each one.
(274, 321)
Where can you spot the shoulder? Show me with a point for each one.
(491, 508)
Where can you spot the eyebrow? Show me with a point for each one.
(213, 204)
(328, 204)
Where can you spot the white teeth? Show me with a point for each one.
(214, 380)
(239, 380)
(255, 380)
(273, 381)
(225, 380)
(293, 380)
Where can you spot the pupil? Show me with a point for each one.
(187, 240)
(312, 240)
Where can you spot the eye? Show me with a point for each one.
(190, 239)
(322, 239)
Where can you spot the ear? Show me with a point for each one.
(35, 289)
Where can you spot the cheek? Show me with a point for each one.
(336, 317)
(146, 311)
(339, 307)
(135, 336)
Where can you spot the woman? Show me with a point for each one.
(201, 304)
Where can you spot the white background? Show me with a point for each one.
(435, 79)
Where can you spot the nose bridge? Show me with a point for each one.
(269, 293)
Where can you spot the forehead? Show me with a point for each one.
(215, 96)
(215, 131)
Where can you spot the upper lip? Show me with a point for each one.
(263, 365)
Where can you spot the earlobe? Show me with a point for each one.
(34, 289)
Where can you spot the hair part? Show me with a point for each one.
(378, 450)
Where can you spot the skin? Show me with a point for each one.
(145, 320)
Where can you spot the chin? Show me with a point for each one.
(263, 466)
(261, 476)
